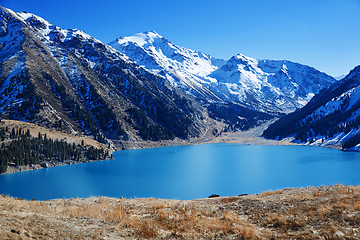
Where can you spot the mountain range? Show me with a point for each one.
(141, 87)
(69, 80)
(274, 87)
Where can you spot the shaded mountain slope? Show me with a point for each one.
(66, 79)
(332, 117)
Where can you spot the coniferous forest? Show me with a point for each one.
(19, 148)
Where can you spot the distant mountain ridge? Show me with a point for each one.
(332, 117)
(274, 87)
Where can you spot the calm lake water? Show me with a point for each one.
(189, 172)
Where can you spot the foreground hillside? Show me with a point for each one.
(329, 212)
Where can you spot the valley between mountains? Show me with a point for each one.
(68, 98)
(145, 91)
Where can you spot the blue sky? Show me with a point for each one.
(320, 33)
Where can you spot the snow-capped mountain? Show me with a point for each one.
(275, 86)
(69, 80)
(137, 88)
(183, 68)
(332, 117)
(266, 85)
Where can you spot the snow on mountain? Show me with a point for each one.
(331, 118)
(275, 86)
(12, 61)
(69, 80)
(49, 33)
(49, 30)
(266, 85)
(138, 87)
(184, 68)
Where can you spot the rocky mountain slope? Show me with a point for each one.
(68, 80)
(138, 88)
(274, 87)
(332, 117)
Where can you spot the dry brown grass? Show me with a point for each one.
(331, 212)
(51, 133)
(269, 193)
(316, 193)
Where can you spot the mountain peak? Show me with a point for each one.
(152, 34)
(276, 86)
(66, 79)
(240, 58)
(33, 19)
(141, 39)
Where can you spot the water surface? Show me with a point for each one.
(189, 172)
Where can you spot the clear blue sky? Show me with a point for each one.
(324, 34)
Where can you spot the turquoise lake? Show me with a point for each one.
(189, 172)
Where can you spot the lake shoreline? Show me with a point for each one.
(226, 138)
(250, 137)
(189, 172)
(46, 164)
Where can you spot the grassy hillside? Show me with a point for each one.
(329, 212)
